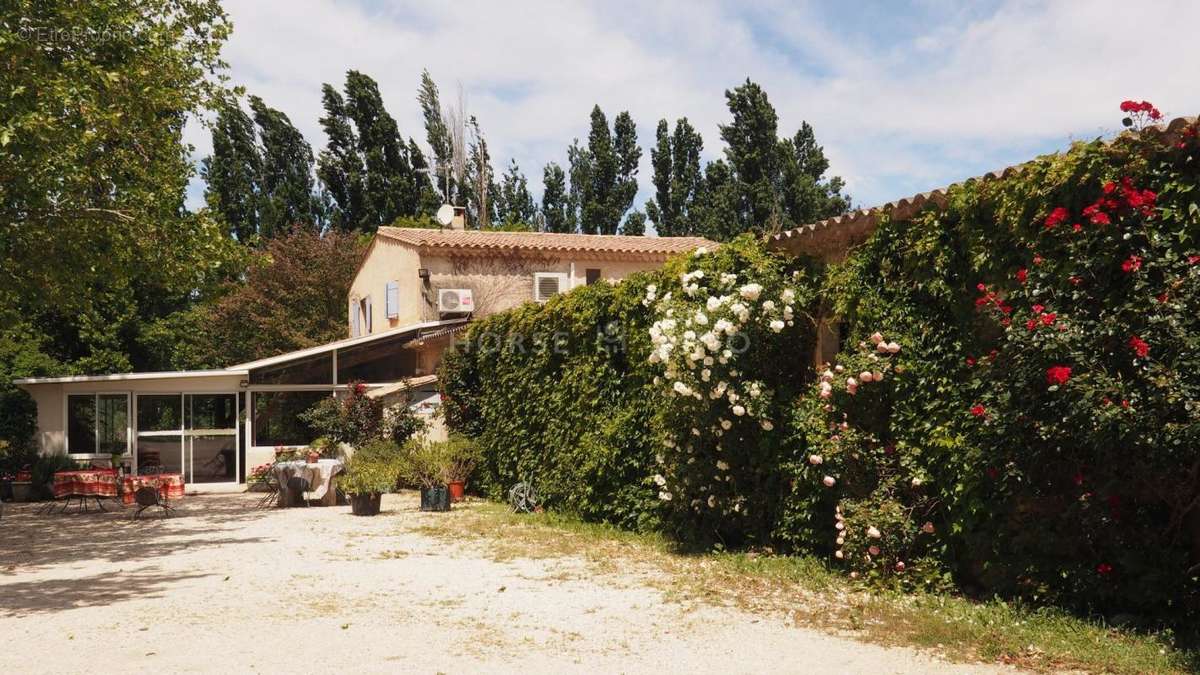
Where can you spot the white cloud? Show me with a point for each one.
(900, 106)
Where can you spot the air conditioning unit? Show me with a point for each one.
(547, 284)
(455, 301)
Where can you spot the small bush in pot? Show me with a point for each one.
(424, 464)
(462, 456)
(370, 472)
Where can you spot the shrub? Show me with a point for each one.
(462, 456)
(357, 419)
(374, 467)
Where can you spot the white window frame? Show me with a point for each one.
(391, 295)
(561, 277)
(96, 423)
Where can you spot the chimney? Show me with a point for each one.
(459, 221)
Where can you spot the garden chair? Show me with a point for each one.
(270, 481)
(146, 497)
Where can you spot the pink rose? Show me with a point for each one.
(829, 481)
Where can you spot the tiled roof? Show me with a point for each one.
(544, 243)
(833, 236)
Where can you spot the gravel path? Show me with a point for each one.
(225, 588)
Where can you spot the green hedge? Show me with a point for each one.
(970, 457)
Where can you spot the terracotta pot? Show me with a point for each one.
(457, 490)
(313, 456)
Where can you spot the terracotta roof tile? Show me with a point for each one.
(835, 235)
(549, 243)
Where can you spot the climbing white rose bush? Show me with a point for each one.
(716, 340)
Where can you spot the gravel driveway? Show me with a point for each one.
(225, 588)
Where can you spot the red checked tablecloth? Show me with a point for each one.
(170, 485)
(86, 483)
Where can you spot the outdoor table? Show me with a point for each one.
(83, 485)
(320, 477)
(170, 486)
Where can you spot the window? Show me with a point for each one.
(381, 360)
(316, 369)
(546, 284)
(355, 327)
(593, 275)
(392, 299)
(97, 423)
(364, 316)
(277, 417)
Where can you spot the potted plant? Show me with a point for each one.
(365, 480)
(461, 457)
(424, 464)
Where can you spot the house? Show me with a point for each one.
(413, 291)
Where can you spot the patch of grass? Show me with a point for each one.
(809, 593)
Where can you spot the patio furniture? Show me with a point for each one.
(270, 482)
(298, 486)
(148, 496)
(81, 487)
(169, 485)
(320, 476)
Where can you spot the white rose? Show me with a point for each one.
(767, 425)
(873, 532)
(660, 479)
(726, 424)
(788, 296)
(739, 410)
(777, 325)
(722, 465)
(712, 304)
(769, 305)
(665, 496)
(750, 291)
(682, 389)
(829, 481)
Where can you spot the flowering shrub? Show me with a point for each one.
(723, 325)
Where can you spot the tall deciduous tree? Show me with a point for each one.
(515, 204)
(93, 171)
(481, 188)
(678, 179)
(287, 198)
(779, 182)
(635, 224)
(439, 135)
(604, 177)
(340, 165)
(233, 173)
(554, 199)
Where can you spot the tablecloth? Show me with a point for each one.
(319, 476)
(170, 485)
(85, 483)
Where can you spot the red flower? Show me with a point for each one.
(978, 410)
(1077, 478)
(1038, 309)
(981, 287)
(1139, 346)
(970, 361)
(1193, 259)
(1048, 318)
(993, 473)
(1058, 374)
(1076, 280)
(1076, 228)
(1104, 569)
(1162, 298)
(1056, 216)
(1132, 264)
(1037, 259)
(1022, 275)
(1031, 324)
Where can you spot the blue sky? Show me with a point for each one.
(904, 97)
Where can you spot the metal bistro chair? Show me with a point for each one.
(297, 485)
(270, 481)
(146, 497)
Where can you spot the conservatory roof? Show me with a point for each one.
(835, 235)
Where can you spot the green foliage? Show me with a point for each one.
(554, 199)
(604, 174)
(357, 419)
(559, 394)
(462, 456)
(374, 468)
(514, 204)
(44, 468)
(423, 463)
(678, 180)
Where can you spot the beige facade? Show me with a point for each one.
(499, 268)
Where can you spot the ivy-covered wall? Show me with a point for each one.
(1015, 410)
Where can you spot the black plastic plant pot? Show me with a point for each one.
(365, 504)
(436, 498)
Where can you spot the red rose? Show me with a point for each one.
(1037, 259)
(1038, 309)
(1031, 324)
(1109, 187)
(978, 410)
(1104, 569)
(1058, 374)
(1076, 280)
(1132, 264)
(1022, 275)
(1048, 318)
(1193, 259)
(1056, 216)
(1076, 228)
(1162, 298)
(970, 361)
(1139, 346)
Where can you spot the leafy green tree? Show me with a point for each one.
(481, 191)
(286, 195)
(340, 165)
(554, 199)
(605, 176)
(678, 179)
(515, 204)
(579, 172)
(716, 210)
(233, 173)
(635, 224)
(779, 182)
(438, 134)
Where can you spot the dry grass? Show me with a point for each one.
(805, 591)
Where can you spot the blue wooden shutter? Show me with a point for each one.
(393, 299)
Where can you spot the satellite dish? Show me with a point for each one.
(445, 215)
